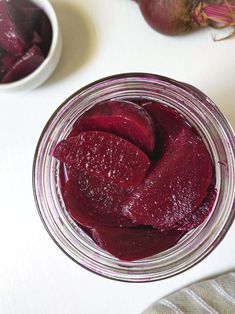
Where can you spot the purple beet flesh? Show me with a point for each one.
(181, 178)
(25, 65)
(25, 39)
(122, 118)
(130, 207)
(105, 156)
(133, 244)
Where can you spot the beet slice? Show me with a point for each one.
(32, 18)
(2, 67)
(28, 21)
(33, 23)
(196, 218)
(105, 156)
(11, 39)
(122, 118)
(167, 120)
(91, 202)
(2, 53)
(133, 244)
(23, 4)
(25, 65)
(36, 39)
(45, 32)
(168, 123)
(176, 186)
(8, 62)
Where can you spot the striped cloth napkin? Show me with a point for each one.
(215, 296)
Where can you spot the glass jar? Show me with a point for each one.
(202, 113)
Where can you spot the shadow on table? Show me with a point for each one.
(224, 99)
(79, 40)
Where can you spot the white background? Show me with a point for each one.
(101, 37)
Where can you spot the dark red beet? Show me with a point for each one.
(106, 156)
(196, 218)
(2, 70)
(2, 53)
(22, 4)
(91, 202)
(8, 61)
(34, 24)
(45, 32)
(33, 16)
(29, 21)
(122, 118)
(167, 120)
(168, 124)
(175, 187)
(36, 39)
(11, 39)
(133, 244)
(176, 195)
(25, 65)
(172, 17)
(25, 38)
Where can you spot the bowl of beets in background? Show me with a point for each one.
(30, 43)
(133, 177)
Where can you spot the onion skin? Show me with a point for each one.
(170, 17)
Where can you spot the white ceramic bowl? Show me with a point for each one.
(42, 73)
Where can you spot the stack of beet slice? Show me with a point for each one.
(137, 177)
(25, 39)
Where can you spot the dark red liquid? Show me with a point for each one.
(137, 177)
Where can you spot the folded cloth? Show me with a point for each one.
(215, 296)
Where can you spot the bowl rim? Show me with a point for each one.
(50, 12)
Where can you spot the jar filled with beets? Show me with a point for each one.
(134, 177)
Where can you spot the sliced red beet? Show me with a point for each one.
(23, 4)
(133, 244)
(8, 61)
(36, 39)
(2, 53)
(2, 68)
(168, 122)
(196, 218)
(28, 21)
(11, 39)
(45, 32)
(105, 156)
(176, 186)
(33, 23)
(167, 119)
(91, 202)
(25, 65)
(1, 72)
(122, 118)
(32, 18)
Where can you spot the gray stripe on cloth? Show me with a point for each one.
(214, 296)
(200, 302)
(172, 306)
(223, 292)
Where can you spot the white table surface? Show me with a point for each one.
(101, 37)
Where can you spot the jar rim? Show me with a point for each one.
(90, 256)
